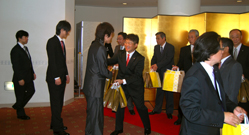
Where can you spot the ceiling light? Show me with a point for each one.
(124, 3)
(239, 0)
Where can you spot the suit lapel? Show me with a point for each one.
(133, 57)
(241, 53)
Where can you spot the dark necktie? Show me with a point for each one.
(127, 60)
(161, 50)
(217, 91)
(26, 50)
(62, 46)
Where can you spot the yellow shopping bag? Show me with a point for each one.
(241, 129)
(172, 80)
(155, 79)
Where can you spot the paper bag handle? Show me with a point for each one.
(245, 118)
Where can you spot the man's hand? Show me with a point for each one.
(67, 79)
(231, 119)
(34, 76)
(154, 67)
(119, 81)
(239, 110)
(21, 82)
(174, 67)
(58, 81)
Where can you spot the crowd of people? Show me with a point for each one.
(214, 67)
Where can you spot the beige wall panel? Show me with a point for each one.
(222, 23)
(244, 27)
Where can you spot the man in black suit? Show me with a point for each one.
(130, 77)
(230, 70)
(241, 54)
(23, 74)
(186, 61)
(162, 60)
(94, 83)
(204, 103)
(121, 40)
(57, 75)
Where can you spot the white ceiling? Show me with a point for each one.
(153, 3)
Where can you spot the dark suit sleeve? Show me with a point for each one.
(190, 104)
(181, 59)
(234, 81)
(51, 47)
(110, 51)
(113, 60)
(16, 64)
(138, 71)
(102, 62)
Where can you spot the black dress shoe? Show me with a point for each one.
(169, 116)
(178, 122)
(23, 117)
(61, 133)
(64, 128)
(116, 132)
(153, 112)
(147, 131)
(132, 112)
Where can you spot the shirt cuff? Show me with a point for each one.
(124, 81)
(56, 78)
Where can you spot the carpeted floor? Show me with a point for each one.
(74, 115)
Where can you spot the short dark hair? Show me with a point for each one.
(122, 34)
(206, 45)
(102, 29)
(20, 34)
(236, 30)
(133, 37)
(226, 42)
(65, 25)
(162, 34)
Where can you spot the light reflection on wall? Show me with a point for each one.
(176, 29)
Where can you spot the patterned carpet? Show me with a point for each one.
(74, 117)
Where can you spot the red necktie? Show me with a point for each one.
(128, 59)
(62, 46)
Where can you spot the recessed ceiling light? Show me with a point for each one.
(124, 3)
(239, 0)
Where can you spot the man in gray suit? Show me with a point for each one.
(94, 83)
(231, 71)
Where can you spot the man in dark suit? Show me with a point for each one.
(204, 103)
(162, 60)
(57, 75)
(241, 54)
(186, 61)
(230, 70)
(23, 74)
(94, 83)
(121, 40)
(130, 77)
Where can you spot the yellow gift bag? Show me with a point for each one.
(172, 80)
(241, 129)
(155, 79)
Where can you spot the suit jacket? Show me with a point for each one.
(133, 73)
(165, 60)
(201, 107)
(185, 60)
(21, 64)
(231, 72)
(109, 50)
(243, 59)
(57, 66)
(96, 70)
